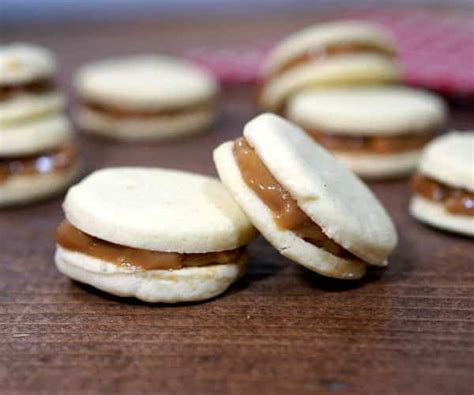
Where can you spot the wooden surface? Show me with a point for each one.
(282, 329)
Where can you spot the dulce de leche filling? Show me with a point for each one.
(286, 212)
(372, 144)
(456, 200)
(116, 111)
(33, 87)
(71, 238)
(330, 51)
(48, 162)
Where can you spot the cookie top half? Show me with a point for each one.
(145, 82)
(450, 160)
(329, 193)
(374, 110)
(22, 63)
(158, 210)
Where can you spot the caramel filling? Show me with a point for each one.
(330, 51)
(372, 144)
(120, 112)
(456, 200)
(285, 209)
(71, 238)
(33, 87)
(44, 163)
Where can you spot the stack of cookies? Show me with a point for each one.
(37, 155)
(339, 81)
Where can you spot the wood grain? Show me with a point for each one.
(282, 329)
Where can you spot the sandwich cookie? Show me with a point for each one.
(378, 132)
(444, 184)
(145, 97)
(154, 234)
(336, 53)
(37, 160)
(27, 89)
(307, 204)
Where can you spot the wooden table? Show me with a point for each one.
(282, 329)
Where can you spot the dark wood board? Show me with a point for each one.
(408, 329)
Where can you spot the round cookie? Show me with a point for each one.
(145, 97)
(335, 53)
(29, 107)
(26, 84)
(320, 36)
(444, 186)
(22, 63)
(325, 191)
(450, 160)
(189, 284)
(155, 211)
(29, 138)
(377, 131)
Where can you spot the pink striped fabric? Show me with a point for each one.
(436, 51)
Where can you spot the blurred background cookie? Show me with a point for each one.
(444, 185)
(145, 97)
(335, 53)
(377, 131)
(37, 154)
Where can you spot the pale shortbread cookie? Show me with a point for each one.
(449, 159)
(36, 136)
(188, 284)
(344, 69)
(286, 242)
(158, 209)
(145, 82)
(144, 128)
(18, 190)
(332, 196)
(22, 63)
(27, 107)
(380, 166)
(368, 111)
(320, 36)
(436, 215)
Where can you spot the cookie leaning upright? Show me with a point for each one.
(335, 53)
(145, 97)
(378, 131)
(307, 204)
(154, 234)
(37, 154)
(444, 184)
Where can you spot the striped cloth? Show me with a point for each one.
(436, 50)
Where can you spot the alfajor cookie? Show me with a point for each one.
(444, 185)
(36, 160)
(27, 89)
(154, 234)
(335, 53)
(145, 97)
(378, 132)
(307, 204)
